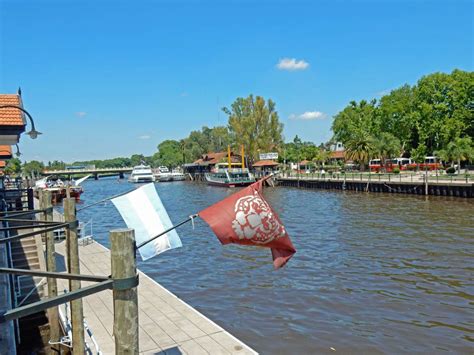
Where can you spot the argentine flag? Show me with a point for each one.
(143, 211)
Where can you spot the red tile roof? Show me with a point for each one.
(10, 116)
(265, 163)
(5, 151)
(214, 158)
(2, 164)
(340, 154)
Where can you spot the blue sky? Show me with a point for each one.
(113, 78)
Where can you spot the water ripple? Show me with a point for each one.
(374, 273)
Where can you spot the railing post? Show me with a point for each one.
(53, 315)
(72, 251)
(122, 242)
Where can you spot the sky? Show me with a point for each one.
(104, 79)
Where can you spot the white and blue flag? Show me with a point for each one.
(143, 211)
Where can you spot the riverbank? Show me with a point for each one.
(378, 183)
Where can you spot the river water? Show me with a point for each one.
(373, 273)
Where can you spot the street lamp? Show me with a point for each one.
(18, 153)
(33, 133)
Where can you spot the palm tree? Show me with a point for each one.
(459, 150)
(322, 156)
(360, 148)
(387, 146)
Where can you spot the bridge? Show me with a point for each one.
(96, 172)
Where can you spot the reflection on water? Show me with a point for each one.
(372, 272)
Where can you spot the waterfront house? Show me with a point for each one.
(209, 160)
(265, 167)
(12, 120)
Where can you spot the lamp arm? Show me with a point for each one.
(24, 111)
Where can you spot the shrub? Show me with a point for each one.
(396, 170)
(450, 170)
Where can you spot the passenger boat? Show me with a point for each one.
(163, 174)
(225, 175)
(141, 173)
(177, 175)
(233, 177)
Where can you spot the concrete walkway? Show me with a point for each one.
(167, 324)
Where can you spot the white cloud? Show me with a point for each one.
(145, 136)
(292, 64)
(308, 115)
(81, 114)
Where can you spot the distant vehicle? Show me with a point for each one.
(401, 163)
(141, 173)
(375, 165)
(431, 163)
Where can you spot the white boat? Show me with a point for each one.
(141, 173)
(177, 175)
(223, 176)
(163, 174)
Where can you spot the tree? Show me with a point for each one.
(169, 154)
(461, 149)
(13, 166)
(254, 123)
(360, 148)
(322, 156)
(356, 116)
(33, 168)
(387, 146)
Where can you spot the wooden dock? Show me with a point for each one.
(167, 324)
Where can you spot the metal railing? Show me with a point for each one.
(383, 177)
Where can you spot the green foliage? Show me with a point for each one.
(360, 147)
(33, 168)
(254, 123)
(396, 170)
(204, 141)
(458, 150)
(56, 165)
(13, 166)
(170, 154)
(416, 120)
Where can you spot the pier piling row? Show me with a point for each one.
(465, 190)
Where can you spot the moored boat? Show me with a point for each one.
(177, 175)
(58, 188)
(141, 174)
(163, 174)
(232, 177)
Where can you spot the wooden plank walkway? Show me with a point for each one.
(167, 324)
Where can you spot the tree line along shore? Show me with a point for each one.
(433, 117)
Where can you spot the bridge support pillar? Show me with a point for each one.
(121, 176)
(96, 176)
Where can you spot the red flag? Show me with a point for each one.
(246, 218)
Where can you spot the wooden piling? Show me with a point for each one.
(53, 314)
(77, 317)
(124, 265)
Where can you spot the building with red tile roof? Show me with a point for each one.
(5, 152)
(12, 120)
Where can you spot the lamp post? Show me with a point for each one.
(33, 133)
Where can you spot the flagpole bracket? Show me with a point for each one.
(73, 224)
(126, 283)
